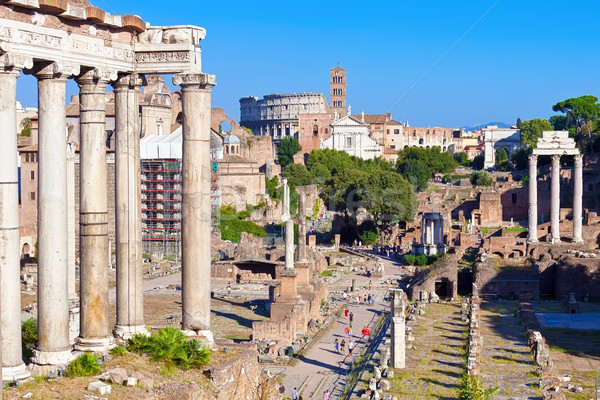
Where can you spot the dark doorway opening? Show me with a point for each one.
(442, 288)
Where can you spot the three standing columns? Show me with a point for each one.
(196, 201)
(94, 328)
(130, 294)
(555, 199)
(53, 346)
(10, 283)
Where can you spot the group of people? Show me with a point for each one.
(296, 396)
(388, 251)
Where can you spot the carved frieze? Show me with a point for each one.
(194, 79)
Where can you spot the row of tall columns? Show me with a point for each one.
(195, 207)
(54, 278)
(555, 199)
(10, 289)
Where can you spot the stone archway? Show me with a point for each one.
(25, 250)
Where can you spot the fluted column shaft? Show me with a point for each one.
(555, 199)
(10, 288)
(302, 256)
(93, 214)
(53, 346)
(196, 202)
(532, 237)
(130, 294)
(577, 198)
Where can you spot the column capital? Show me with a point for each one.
(55, 70)
(578, 160)
(96, 75)
(11, 62)
(555, 159)
(203, 80)
(129, 81)
(532, 158)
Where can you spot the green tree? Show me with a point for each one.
(297, 175)
(579, 112)
(559, 122)
(481, 178)
(461, 158)
(519, 123)
(532, 129)
(478, 162)
(417, 172)
(520, 159)
(502, 160)
(25, 126)
(418, 164)
(286, 150)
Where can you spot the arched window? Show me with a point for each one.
(315, 130)
(421, 141)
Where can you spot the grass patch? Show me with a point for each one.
(486, 230)
(576, 396)
(515, 230)
(237, 336)
(326, 273)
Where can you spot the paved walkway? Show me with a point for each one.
(321, 368)
(506, 362)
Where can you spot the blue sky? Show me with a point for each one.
(522, 57)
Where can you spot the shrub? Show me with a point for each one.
(481, 178)
(118, 351)
(29, 336)
(139, 344)
(172, 347)
(410, 259)
(84, 365)
(327, 272)
(471, 388)
(368, 238)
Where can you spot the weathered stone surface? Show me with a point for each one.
(118, 375)
(100, 387)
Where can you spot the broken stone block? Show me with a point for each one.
(27, 395)
(131, 381)
(100, 387)
(118, 375)
(384, 384)
(377, 373)
(146, 383)
(372, 384)
(578, 389)
(390, 374)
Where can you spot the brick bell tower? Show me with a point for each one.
(337, 93)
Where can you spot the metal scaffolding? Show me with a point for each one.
(161, 205)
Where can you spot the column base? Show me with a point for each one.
(204, 335)
(532, 241)
(44, 362)
(16, 373)
(126, 332)
(555, 240)
(578, 240)
(94, 345)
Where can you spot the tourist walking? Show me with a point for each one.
(326, 395)
(346, 312)
(336, 346)
(282, 390)
(343, 346)
(350, 347)
(295, 394)
(351, 318)
(350, 331)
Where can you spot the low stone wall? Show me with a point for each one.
(474, 345)
(282, 331)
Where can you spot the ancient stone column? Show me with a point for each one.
(289, 227)
(10, 249)
(71, 247)
(53, 346)
(555, 199)
(398, 329)
(94, 332)
(196, 202)
(302, 257)
(577, 198)
(532, 237)
(130, 293)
